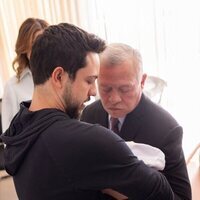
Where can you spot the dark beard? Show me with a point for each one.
(71, 106)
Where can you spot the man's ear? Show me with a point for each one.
(58, 76)
(144, 77)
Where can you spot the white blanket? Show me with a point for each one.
(151, 156)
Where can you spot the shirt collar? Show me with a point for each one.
(25, 72)
(121, 121)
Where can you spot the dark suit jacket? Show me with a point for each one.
(150, 124)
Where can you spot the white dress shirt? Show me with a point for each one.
(14, 93)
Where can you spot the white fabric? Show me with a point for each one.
(151, 156)
(14, 93)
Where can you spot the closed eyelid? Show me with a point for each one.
(105, 88)
(92, 79)
(125, 88)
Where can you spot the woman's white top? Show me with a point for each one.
(14, 93)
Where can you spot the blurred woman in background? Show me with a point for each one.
(20, 87)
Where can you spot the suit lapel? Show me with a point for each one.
(133, 122)
(130, 128)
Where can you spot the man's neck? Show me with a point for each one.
(42, 98)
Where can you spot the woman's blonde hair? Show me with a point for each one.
(25, 39)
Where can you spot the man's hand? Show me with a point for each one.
(115, 194)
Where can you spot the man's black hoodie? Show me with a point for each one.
(54, 157)
(24, 130)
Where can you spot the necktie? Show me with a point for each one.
(115, 124)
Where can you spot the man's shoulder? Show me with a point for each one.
(156, 111)
(76, 130)
(153, 116)
(95, 113)
(95, 105)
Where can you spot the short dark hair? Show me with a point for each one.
(64, 45)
